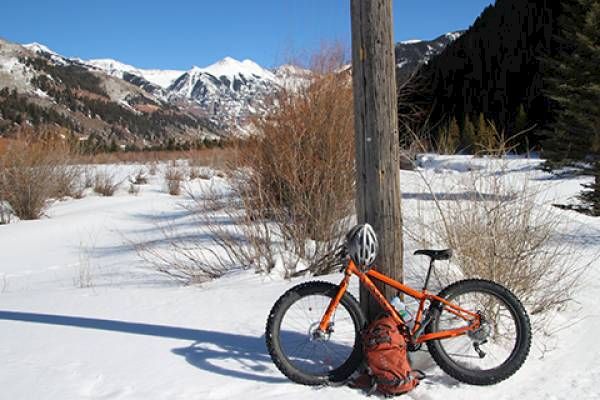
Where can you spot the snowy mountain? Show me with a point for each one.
(105, 101)
(225, 93)
(158, 77)
(292, 77)
(228, 91)
(42, 50)
(410, 54)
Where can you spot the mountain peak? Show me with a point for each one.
(39, 48)
(231, 67)
(227, 61)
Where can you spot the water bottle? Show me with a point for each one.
(406, 316)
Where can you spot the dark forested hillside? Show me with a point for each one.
(494, 72)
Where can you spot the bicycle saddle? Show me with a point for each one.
(436, 254)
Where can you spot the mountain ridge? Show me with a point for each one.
(221, 96)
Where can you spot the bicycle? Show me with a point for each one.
(476, 330)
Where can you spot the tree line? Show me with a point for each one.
(526, 70)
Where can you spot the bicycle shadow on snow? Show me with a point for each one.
(234, 359)
(233, 355)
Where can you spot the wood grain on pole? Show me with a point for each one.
(376, 133)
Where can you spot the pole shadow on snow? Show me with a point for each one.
(458, 196)
(248, 352)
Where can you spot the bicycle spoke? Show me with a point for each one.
(499, 343)
(316, 354)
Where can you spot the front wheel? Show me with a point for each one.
(303, 353)
(493, 352)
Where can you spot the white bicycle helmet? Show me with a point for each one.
(362, 245)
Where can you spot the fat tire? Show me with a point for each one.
(274, 323)
(522, 346)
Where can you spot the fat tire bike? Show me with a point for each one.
(476, 330)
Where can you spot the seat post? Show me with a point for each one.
(431, 265)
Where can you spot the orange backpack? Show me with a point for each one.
(388, 368)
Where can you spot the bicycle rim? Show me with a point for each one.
(304, 348)
(497, 339)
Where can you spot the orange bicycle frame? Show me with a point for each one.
(423, 296)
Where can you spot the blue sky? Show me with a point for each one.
(181, 33)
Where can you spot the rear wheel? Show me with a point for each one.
(497, 349)
(299, 350)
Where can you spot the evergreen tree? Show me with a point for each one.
(591, 196)
(494, 67)
(448, 138)
(521, 120)
(486, 134)
(453, 135)
(113, 148)
(575, 87)
(521, 127)
(170, 144)
(469, 138)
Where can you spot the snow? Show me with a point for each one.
(453, 35)
(13, 73)
(10, 64)
(292, 77)
(39, 92)
(411, 41)
(230, 68)
(230, 90)
(161, 78)
(39, 48)
(135, 334)
(227, 91)
(402, 63)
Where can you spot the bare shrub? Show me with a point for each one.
(501, 230)
(84, 276)
(89, 175)
(5, 212)
(69, 182)
(139, 178)
(153, 168)
(194, 173)
(136, 180)
(174, 177)
(182, 259)
(106, 183)
(133, 189)
(293, 182)
(34, 169)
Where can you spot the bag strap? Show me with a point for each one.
(378, 340)
(418, 374)
(397, 380)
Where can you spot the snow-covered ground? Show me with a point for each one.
(134, 334)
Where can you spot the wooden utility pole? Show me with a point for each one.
(376, 132)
